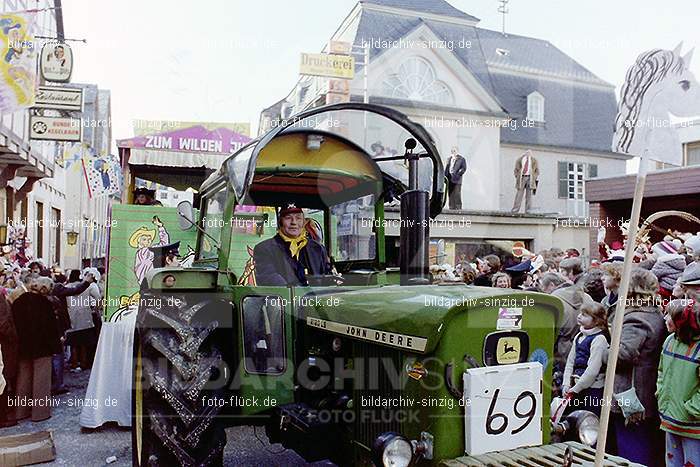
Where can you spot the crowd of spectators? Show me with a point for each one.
(47, 321)
(657, 382)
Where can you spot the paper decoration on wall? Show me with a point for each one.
(658, 84)
(102, 175)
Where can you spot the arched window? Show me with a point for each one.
(416, 81)
(535, 107)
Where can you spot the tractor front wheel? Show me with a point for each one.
(179, 383)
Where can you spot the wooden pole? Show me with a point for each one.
(620, 311)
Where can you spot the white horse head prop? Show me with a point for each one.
(658, 84)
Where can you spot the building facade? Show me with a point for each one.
(493, 96)
(31, 195)
(87, 214)
(39, 192)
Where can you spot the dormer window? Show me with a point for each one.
(535, 107)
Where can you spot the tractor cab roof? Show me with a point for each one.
(333, 154)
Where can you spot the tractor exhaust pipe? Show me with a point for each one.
(415, 226)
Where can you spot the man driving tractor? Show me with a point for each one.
(291, 255)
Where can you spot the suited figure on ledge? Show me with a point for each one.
(454, 170)
(527, 174)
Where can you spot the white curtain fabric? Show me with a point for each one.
(108, 396)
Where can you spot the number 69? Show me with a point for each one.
(528, 416)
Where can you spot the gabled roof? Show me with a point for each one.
(388, 27)
(578, 117)
(435, 7)
(530, 54)
(580, 108)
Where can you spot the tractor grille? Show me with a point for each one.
(382, 378)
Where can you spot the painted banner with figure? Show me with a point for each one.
(17, 62)
(133, 230)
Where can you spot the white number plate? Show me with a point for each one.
(503, 407)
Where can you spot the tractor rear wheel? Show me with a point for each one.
(179, 382)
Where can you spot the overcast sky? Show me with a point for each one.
(225, 60)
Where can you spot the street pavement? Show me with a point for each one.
(86, 448)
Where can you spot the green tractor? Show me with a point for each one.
(372, 365)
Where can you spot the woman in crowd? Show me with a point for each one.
(39, 339)
(500, 280)
(643, 332)
(489, 266)
(611, 282)
(677, 386)
(584, 375)
(82, 337)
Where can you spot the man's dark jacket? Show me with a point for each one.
(274, 264)
(8, 341)
(37, 327)
(456, 169)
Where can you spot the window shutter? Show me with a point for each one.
(563, 180)
(592, 170)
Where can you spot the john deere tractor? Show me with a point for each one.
(367, 365)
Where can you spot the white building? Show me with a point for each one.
(491, 95)
(31, 191)
(87, 215)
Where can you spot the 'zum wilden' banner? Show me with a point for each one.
(134, 229)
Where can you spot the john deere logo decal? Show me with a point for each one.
(508, 350)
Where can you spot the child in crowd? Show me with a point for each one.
(501, 280)
(678, 384)
(584, 374)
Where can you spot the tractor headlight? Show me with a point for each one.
(392, 450)
(585, 426)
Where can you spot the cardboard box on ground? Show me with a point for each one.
(27, 448)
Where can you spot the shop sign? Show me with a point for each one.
(56, 62)
(55, 128)
(52, 97)
(329, 65)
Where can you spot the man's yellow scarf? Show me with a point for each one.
(295, 243)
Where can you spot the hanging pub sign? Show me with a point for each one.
(55, 128)
(55, 97)
(56, 62)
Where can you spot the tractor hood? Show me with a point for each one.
(413, 318)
